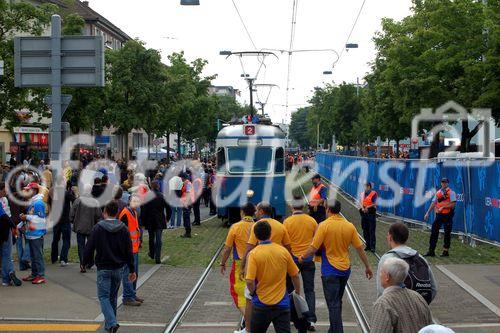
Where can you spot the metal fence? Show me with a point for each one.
(476, 183)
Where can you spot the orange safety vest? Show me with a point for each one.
(299, 159)
(184, 192)
(315, 195)
(133, 228)
(367, 200)
(446, 201)
(197, 184)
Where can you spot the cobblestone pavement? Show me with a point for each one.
(213, 309)
(453, 306)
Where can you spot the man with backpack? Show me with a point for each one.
(420, 277)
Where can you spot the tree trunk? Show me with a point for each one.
(168, 148)
(127, 157)
(467, 135)
(179, 144)
(149, 144)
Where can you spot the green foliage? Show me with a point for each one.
(335, 109)
(298, 128)
(16, 18)
(446, 50)
(73, 24)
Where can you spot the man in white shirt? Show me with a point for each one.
(175, 186)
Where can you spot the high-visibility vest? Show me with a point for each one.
(367, 200)
(184, 193)
(197, 187)
(443, 200)
(299, 159)
(315, 195)
(133, 228)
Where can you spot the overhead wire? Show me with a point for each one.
(290, 48)
(352, 30)
(244, 25)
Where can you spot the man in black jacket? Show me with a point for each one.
(63, 226)
(110, 239)
(154, 216)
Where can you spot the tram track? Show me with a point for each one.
(359, 312)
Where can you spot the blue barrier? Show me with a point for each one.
(477, 211)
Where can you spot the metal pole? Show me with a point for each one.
(357, 86)
(55, 128)
(317, 138)
(250, 85)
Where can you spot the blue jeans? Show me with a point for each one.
(108, 284)
(129, 288)
(7, 265)
(176, 218)
(36, 252)
(333, 288)
(23, 251)
(64, 230)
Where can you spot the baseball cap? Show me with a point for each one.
(445, 180)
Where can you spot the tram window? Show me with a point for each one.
(221, 159)
(239, 159)
(279, 164)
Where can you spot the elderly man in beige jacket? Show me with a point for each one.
(398, 310)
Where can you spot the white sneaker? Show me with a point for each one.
(241, 331)
(5, 284)
(64, 263)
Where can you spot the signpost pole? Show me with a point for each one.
(55, 128)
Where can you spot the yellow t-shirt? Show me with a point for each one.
(300, 228)
(268, 264)
(278, 233)
(237, 237)
(334, 237)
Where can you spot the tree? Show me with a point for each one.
(19, 18)
(298, 128)
(135, 77)
(439, 53)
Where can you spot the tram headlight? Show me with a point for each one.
(250, 193)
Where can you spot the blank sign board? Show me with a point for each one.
(82, 61)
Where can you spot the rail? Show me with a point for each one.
(360, 314)
(186, 305)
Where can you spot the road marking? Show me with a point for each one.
(472, 325)
(140, 282)
(319, 304)
(49, 327)
(483, 300)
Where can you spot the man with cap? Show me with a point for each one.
(368, 211)
(317, 199)
(444, 208)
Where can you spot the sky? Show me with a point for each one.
(202, 31)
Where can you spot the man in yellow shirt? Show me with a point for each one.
(301, 228)
(278, 231)
(236, 242)
(268, 265)
(334, 237)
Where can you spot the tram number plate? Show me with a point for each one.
(249, 130)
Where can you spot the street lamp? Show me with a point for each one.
(225, 53)
(351, 46)
(190, 2)
(327, 72)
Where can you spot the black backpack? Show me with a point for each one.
(419, 277)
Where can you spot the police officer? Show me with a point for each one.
(368, 211)
(317, 199)
(444, 207)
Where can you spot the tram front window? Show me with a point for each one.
(239, 159)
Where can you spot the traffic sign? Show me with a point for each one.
(65, 100)
(158, 142)
(82, 61)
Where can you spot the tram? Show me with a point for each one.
(250, 167)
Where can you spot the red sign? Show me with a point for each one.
(249, 130)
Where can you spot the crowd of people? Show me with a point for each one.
(109, 206)
(268, 257)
